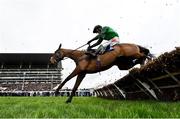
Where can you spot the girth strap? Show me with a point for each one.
(98, 63)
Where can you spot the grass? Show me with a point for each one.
(85, 107)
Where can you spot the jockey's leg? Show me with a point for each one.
(100, 50)
(94, 53)
(103, 48)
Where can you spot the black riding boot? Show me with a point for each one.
(91, 52)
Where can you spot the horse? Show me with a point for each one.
(122, 56)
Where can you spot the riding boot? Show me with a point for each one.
(92, 53)
(96, 53)
(89, 53)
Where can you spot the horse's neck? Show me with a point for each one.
(72, 54)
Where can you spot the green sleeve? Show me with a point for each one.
(103, 32)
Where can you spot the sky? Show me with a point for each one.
(39, 26)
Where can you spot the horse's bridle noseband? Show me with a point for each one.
(58, 55)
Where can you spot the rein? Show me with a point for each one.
(80, 47)
(75, 50)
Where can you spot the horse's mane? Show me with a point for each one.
(77, 52)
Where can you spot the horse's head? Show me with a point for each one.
(57, 56)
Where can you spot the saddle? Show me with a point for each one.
(95, 52)
(92, 54)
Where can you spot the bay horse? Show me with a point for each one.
(122, 56)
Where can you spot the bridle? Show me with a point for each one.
(58, 54)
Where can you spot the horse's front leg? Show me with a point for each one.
(79, 79)
(73, 74)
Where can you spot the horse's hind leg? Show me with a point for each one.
(79, 79)
(140, 58)
(147, 54)
(140, 61)
(73, 74)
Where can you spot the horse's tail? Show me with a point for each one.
(147, 53)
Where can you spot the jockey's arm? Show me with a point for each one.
(100, 36)
(97, 43)
(95, 38)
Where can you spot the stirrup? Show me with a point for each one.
(91, 54)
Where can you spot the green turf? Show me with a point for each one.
(84, 107)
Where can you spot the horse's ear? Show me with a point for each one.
(60, 46)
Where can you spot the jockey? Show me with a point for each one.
(104, 33)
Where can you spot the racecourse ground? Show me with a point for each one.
(81, 107)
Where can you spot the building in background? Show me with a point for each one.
(28, 72)
(31, 74)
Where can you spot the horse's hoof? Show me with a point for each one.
(68, 101)
(56, 93)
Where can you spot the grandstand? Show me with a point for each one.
(31, 74)
(25, 72)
